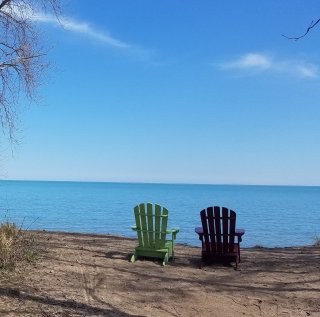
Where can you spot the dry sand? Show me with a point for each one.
(90, 275)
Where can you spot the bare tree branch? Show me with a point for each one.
(312, 25)
(22, 60)
(4, 3)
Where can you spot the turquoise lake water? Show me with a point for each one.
(272, 215)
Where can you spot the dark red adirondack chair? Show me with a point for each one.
(219, 237)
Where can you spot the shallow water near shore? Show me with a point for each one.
(272, 215)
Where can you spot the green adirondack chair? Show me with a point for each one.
(151, 228)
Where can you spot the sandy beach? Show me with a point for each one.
(90, 275)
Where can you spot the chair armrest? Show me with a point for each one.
(240, 233)
(199, 231)
(134, 228)
(174, 232)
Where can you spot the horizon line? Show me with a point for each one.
(156, 183)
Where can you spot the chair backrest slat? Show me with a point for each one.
(164, 227)
(232, 230)
(138, 224)
(225, 229)
(144, 226)
(211, 229)
(218, 228)
(203, 215)
(157, 226)
(150, 225)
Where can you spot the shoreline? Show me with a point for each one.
(176, 243)
(90, 275)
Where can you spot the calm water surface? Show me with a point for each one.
(272, 215)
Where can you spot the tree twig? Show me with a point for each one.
(311, 26)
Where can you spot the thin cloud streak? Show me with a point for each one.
(257, 62)
(82, 28)
(251, 60)
(27, 12)
(86, 29)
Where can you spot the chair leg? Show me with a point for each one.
(172, 250)
(202, 263)
(165, 260)
(134, 257)
(237, 262)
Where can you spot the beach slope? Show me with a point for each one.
(90, 275)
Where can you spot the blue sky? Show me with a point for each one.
(175, 91)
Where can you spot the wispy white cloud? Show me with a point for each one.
(249, 61)
(308, 70)
(102, 36)
(257, 62)
(82, 28)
